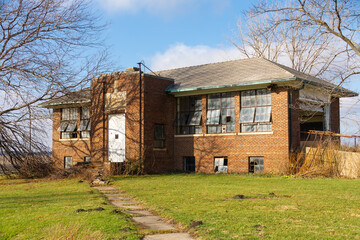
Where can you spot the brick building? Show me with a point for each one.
(237, 116)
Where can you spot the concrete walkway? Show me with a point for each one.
(144, 218)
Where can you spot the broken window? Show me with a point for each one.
(68, 162)
(220, 164)
(159, 136)
(189, 164)
(189, 115)
(256, 164)
(255, 113)
(68, 125)
(220, 116)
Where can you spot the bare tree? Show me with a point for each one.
(316, 37)
(46, 48)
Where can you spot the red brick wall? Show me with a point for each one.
(239, 147)
(78, 149)
(159, 108)
(99, 119)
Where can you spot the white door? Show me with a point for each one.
(116, 138)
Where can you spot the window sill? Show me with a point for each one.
(220, 134)
(74, 139)
(189, 135)
(255, 133)
(159, 149)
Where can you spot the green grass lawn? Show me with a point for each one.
(47, 210)
(272, 208)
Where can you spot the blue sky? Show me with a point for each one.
(162, 32)
(176, 33)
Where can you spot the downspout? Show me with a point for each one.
(140, 116)
(291, 112)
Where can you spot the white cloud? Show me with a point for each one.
(149, 5)
(181, 55)
(163, 7)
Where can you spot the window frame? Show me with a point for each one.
(215, 110)
(187, 108)
(258, 164)
(159, 140)
(221, 168)
(255, 111)
(189, 167)
(66, 165)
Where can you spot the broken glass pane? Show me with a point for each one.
(227, 114)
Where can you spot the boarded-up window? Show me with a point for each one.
(220, 116)
(189, 115)
(159, 136)
(255, 113)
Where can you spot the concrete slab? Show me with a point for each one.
(169, 236)
(139, 212)
(153, 222)
(123, 203)
(132, 207)
(103, 188)
(118, 198)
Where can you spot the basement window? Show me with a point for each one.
(256, 164)
(87, 159)
(220, 164)
(189, 164)
(159, 136)
(68, 162)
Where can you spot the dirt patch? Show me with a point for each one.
(260, 196)
(90, 210)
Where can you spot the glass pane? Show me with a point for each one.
(195, 103)
(248, 98)
(227, 116)
(214, 101)
(184, 104)
(85, 113)
(73, 114)
(71, 127)
(230, 128)
(247, 115)
(184, 118)
(214, 129)
(198, 129)
(263, 97)
(184, 130)
(62, 126)
(194, 118)
(159, 132)
(263, 114)
(65, 114)
(227, 100)
(248, 127)
(84, 125)
(85, 134)
(213, 117)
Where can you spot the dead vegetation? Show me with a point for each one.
(325, 157)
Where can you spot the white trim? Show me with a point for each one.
(220, 134)
(190, 135)
(255, 133)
